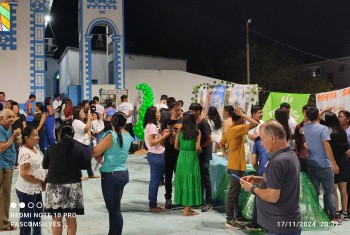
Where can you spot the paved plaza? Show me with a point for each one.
(137, 219)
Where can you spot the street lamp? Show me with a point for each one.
(47, 19)
(247, 48)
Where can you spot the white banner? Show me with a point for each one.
(338, 100)
(243, 96)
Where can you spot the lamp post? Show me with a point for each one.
(247, 48)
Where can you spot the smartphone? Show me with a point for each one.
(236, 177)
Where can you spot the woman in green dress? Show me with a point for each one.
(187, 177)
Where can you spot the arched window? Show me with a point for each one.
(5, 16)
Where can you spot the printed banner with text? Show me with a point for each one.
(296, 102)
(338, 100)
(243, 96)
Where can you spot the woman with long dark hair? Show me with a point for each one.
(68, 111)
(155, 156)
(82, 134)
(300, 141)
(114, 147)
(339, 145)
(30, 182)
(188, 190)
(108, 113)
(39, 124)
(64, 192)
(20, 122)
(215, 124)
(344, 119)
(282, 117)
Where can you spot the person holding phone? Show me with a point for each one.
(234, 138)
(277, 195)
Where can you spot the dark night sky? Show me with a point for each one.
(193, 29)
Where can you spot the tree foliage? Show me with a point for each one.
(273, 70)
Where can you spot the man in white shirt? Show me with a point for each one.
(99, 108)
(55, 105)
(257, 114)
(162, 103)
(127, 108)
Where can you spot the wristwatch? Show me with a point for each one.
(252, 190)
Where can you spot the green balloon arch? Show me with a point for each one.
(147, 101)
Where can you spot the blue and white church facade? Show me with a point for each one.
(22, 45)
(109, 14)
(23, 62)
(22, 48)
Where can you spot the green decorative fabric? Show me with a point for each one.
(188, 179)
(296, 101)
(312, 214)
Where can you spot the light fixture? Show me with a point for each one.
(47, 18)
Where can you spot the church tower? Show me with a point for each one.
(108, 14)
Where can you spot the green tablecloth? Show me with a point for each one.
(312, 213)
(220, 178)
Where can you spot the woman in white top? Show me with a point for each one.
(82, 135)
(30, 182)
(215, 124)
(155, 156)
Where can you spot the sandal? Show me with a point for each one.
(191, 213)
(9, 228)
(157, 209)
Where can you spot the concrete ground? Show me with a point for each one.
(137, 219)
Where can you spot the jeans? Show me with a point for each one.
(42, 140)
(87, 148)
(33, 207)
(49, 129)
(99, 136)
(156, 163)
(170, 157)
(324, 176)
(204, 159)
(232, 200)
(112, 188)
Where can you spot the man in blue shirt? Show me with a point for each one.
(260, 157)
(321, 165)
(7, 161)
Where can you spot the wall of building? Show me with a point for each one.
(99, 67)
(69, 67)
(174, 83)
(69, 70)
(336, 71)
(152, 63)
(52, 67)
(15, 64)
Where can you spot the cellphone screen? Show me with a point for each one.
(236, 177)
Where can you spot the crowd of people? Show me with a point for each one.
(52, 146)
